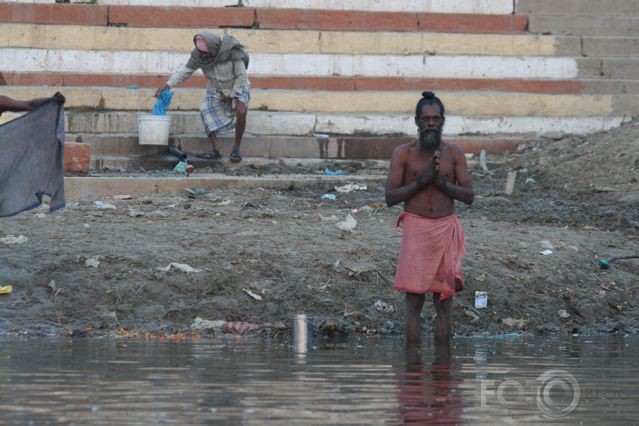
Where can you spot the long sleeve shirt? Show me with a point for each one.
(228, 77)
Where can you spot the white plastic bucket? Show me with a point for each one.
(153, 129)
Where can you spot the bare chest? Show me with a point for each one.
(418, 163)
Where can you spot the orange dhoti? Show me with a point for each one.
(430, 256)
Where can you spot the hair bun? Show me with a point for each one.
(428, 95)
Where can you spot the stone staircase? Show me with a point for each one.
(330, 79)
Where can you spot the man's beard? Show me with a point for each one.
(429, 139)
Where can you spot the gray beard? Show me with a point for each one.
(429, 139)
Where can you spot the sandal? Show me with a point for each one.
(236, 157)
(213, 154)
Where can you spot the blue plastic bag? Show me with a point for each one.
(162, 104)
(330, 172)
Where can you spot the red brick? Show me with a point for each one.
(492, 146)
(77, 157)
(158, 17)
(470, 23)
(31, 79)
(418, 84)
(331, 83)
(380, 147)
(369, 147)
(303, 19)
(69, 14)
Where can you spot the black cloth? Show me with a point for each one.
(32, 159)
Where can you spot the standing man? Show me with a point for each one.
(223, 62)
(428, 175)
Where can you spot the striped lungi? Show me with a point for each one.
(217, 115)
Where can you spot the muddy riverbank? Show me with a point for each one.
(263, 255)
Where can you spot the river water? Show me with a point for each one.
(252, 380)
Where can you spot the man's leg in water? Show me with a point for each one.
(444, 309)
(414, 304)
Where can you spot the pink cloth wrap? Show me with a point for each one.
(430, 255)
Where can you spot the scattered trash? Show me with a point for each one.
(337, 265)
(530, 181)
(510, 183)
(481, 299)
(328, 301)
(54, 288)
(250, 205)
(331, 326)
(546, 252)
(13, 240)
(235, 327)
(7, 289)
(302, 328)
(195, 192)
(383, 307)
(482, 161)
(605, 263)
(253, 295)
(104, 206)
(604, 189)
(470, 313)
(350, 187)
(321, 136)
(135, 213)
(120, 197)
(563, 314)
(511, 322)
(179, 266)
(92, 262)
(40, 215)
(347, 225)
(390, 325)
(329, 197)
(330, 172)
(180, 168)
(331, 218)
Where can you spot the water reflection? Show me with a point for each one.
(429, 393)
(356, 381)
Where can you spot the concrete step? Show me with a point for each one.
(86, 37)
(138, 166)
(458, 103)
(609, 68)
(266, 18)
(110, 146)
(335, 83)
(581, 17)
(578, 7)
(584, 25)
(265, 123)
(491, 7)
(293, 64)
(262, 123)
(75, 188)
(313, 42)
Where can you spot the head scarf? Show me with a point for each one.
(223, 49)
